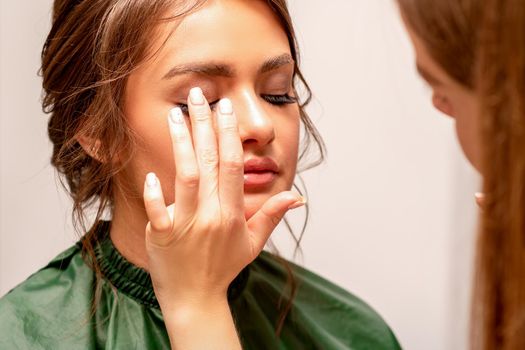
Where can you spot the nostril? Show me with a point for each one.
(250, 141)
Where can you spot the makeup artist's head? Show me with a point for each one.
(472, 53)
(444, 41)
(113, 69)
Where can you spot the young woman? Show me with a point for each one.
(472, 53)
(193, 185)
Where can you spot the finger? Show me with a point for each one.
(186, 168)
(205, 143)
(263, 222)
(231, 164)
(158, 216)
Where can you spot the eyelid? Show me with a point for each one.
(279, 83)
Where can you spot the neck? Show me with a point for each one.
(127, 232)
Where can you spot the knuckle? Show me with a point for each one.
(181, 137)
(189, 177)
(207, 226)
(209, 157)
(232, 221)
(233, 164)
(163, 225)
(229, 128)
(201, 115)
(150, 199)
(210, 220)
(275, 219)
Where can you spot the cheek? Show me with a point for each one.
(153, 151)
(154, 154)
(287, 132)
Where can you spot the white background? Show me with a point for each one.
(393, 217)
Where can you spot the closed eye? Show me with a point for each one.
(280, 100)
(276, 100)
(185, 109)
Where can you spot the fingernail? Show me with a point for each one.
(299, 203)
(176, 116)
(151, 180)
(225, 106)
(196, 96)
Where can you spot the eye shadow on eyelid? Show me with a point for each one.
(185, 84)
(279, 81)
(182, 94)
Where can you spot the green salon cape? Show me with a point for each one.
(52, 309)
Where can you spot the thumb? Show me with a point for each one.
(264, 221)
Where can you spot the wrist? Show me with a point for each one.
(187, 310)
(201, 324)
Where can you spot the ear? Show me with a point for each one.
(91, 147)
(442, 104)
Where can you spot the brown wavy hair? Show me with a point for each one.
(481, 44)
(91, 50)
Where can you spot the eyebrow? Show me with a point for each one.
(431, 79)
(212, 69)
(224, 70)
(276, 62)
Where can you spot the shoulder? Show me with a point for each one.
(46, 278)
(327, 311)
(30, 314)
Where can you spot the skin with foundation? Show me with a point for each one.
(217, 170)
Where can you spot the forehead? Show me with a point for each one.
(242, 33)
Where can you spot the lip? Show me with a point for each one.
(259, 173)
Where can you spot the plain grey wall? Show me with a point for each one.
(392, 209)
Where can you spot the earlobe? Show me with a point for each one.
(91, 147)
(442, 105)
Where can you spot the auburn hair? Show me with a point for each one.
(481, 44)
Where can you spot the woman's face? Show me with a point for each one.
(230, 49)
(452, 99)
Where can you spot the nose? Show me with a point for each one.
(255, 124)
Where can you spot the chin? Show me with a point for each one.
(253, 202)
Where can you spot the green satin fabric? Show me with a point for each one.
(52, 309)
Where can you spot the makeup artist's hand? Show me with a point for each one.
(198, 245)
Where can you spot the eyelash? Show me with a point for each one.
(280, 100)
(276, 100)
(186, 111)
